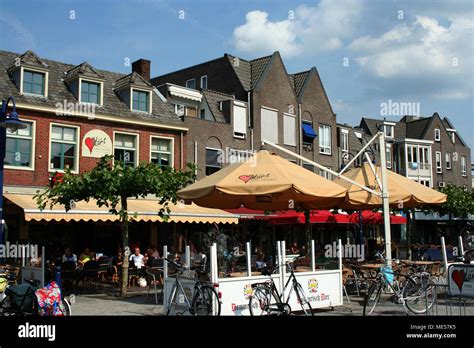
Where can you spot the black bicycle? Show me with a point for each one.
(266, 300)
(204, 300)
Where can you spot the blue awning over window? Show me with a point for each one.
(308, 131)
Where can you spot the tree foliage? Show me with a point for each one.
(459, 204)
(111, 184)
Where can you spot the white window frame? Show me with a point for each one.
(137, 145)
(193, 79)
(448, 160)
(293, 118)
(344, 141)
(33, 146)
(46, 79)
(439, 169)
(463, 166)
(453, 137)
(388, 156)
(239, 135)
(437, 134)
(277, 126)
(200, 82)
(100, 83)
(150, 99)
(325, 174)
(165, 138)
(78, 145)
(392, 127)
(323, 147)
(205, 157)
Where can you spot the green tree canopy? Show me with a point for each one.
(459, 204)
(111, 184)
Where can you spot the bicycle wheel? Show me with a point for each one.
(418, 294)
(305, 305)
(65, 308)
(171, 299)
(259, 302)
(206, 302)
(372, 297)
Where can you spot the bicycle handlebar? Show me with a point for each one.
(177, 264)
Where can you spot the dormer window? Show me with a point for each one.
(86, 84)
(30, 74)
(191, 84)
(389, 130)
(90, 92)
(140, 100)
(34, 82)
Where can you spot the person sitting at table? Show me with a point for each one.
(155, 253)
(85, 256)
(260, 261)
(138, 259)
(68, 256)
(200, 258)
(294, 248)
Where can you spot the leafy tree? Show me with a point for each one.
(111, 185)
(459, 204)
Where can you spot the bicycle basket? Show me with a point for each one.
(388, 273)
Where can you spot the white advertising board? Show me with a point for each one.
(236, 293)
(321, 288)
(461, 280)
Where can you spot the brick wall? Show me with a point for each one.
(40, 175)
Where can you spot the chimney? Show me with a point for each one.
(142, 67)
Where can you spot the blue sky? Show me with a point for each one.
(367, 52)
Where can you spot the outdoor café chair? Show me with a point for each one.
(154, 278)
(89, 273)
(69, 274)
(132, 274)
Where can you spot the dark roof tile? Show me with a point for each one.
(58, 90)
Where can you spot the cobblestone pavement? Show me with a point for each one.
(135, 304)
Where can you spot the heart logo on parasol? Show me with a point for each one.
(458, 278)
(90, 144)
(245, 178)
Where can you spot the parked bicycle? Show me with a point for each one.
(204, 300)
(22, 300)
(266, 300)
(415, 290)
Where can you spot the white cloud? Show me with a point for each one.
(307, 30)
(422, 50)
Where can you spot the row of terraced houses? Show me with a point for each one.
(220, 109)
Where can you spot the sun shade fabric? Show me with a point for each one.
(146, 210)
(267, 182)
(308, 131)
(375, 218)
(403, 192)
(315, 217)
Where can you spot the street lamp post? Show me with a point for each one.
(12, 123)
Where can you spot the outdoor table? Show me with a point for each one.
(321, 265)
(418, 263)
(243, 274)
(302, 269)
(372, 265)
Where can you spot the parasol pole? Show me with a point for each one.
(385, 201)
